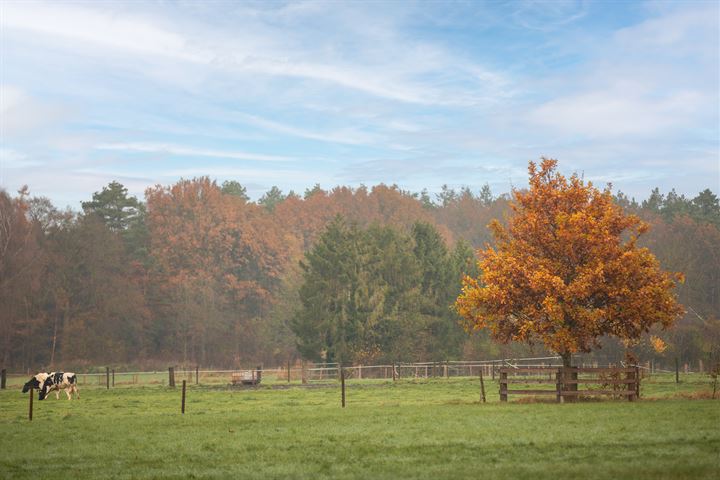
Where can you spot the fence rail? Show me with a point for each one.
(532, 370)
(567, 379)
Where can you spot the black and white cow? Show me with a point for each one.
(36, 382)
(56, 381)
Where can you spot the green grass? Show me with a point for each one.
(411, 429)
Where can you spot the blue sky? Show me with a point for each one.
(419, 94)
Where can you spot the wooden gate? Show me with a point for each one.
(620, 382)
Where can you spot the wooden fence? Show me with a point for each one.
(619, 382)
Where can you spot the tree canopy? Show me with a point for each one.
(198, 272)
(567, 270)
(379, 293)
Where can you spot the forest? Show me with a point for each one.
(197, 273)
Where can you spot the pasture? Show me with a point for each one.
(429, 428)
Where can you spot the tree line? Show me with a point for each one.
(196, 272)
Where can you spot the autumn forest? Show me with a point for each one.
(196, 272)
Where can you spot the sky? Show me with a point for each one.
(417, 94)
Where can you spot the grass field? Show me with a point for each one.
(411, 429)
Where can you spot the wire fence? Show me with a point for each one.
(323, 373)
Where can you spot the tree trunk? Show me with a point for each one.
(569, 375)
(567, 359)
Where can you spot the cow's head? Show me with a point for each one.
(35, 382)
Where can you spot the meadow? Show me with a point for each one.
(429, 428)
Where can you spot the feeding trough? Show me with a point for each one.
(247, 377)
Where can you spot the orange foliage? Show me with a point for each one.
(381, 205)
(204, 238)
(658, 344)
(567, 270)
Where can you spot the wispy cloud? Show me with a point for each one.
(96, 29)
(348, 136)
(13, 159)
(140, 35)
(190, 152)
(548, 15)
(302, 92)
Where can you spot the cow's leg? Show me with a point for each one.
(76, 391)
(67, 392)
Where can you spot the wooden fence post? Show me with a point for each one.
(303, 374)
(182, 407)
(630, 386)
(492, 369)
(637, 383)
(288, 375)
(677, 370)
(559, 385)
(447, 369)
(171, 376)
(107, 378)
(31, 402)
(503, 385)
(3, 379)
(574, 387)
(482, 386)
(633, 378)
(342, 384)
(393, 371)
(258, 376)
(197, 374)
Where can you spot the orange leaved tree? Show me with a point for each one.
(567, 270)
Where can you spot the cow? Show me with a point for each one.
(56, 381)
(36, 382)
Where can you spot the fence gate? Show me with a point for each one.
(620, 382)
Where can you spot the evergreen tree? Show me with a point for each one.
(706, 207)
(113, 206)
(232, 187)
(654, 203)
(272, 198)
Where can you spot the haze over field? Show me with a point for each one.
(296, 93)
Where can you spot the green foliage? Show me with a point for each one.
(446, 196)
(272, 198)
(124, 215)
(114, 207)
(486, 196)
(379, 293)
(225, 278)
(232, 187)
(705, 207)
(310, 192)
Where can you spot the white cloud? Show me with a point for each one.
(549, 15)
(21, 114)
(190, 151)
(94, 28)
(642, 82)
(347, 136)
(606, 113)
(391, 71)
(10, 158)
